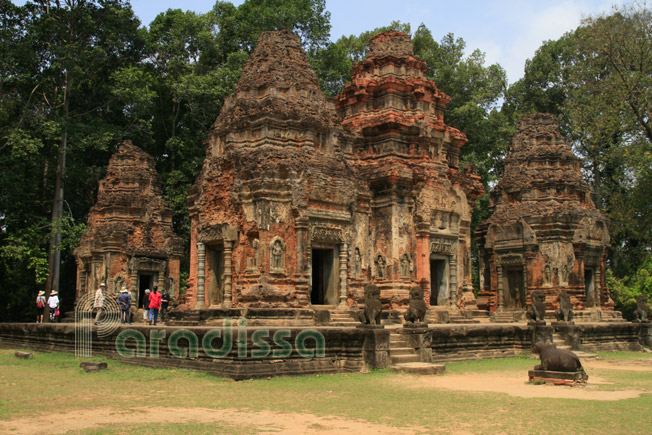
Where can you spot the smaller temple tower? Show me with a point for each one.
(129, 239)
(545, 232)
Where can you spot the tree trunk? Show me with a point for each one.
(54, 255)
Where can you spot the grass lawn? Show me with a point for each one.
(54, 384)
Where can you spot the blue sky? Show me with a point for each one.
(508, 31)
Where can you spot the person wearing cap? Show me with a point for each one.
(53, 303)
(146, 305)
(98, 303)
(40, 306)
(124, 302)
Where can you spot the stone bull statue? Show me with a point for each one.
(557, 360)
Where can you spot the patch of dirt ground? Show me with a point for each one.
(268, 422)
(516, 384)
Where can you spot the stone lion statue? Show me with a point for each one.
(372, 306)
(537, 311)
(565, 311)
(556, 360)
(416, 312)
(642, 312)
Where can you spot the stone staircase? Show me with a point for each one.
(560, 343)
(405, 359)
(343, 318)
(192, 318)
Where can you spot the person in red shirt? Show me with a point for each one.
(154, 305)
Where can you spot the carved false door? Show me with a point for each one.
(215, 272)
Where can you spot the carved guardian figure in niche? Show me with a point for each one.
(380, 267)
(557, 360)
(372, 306)
(642, 312)
(277, 250)
(405, 266)
(416, 312)
(357, 263)
(565, 311)
(537, 310)
(547, 275)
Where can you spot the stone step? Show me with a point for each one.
(344, 324)
(403, 358)
(398, 342)
(460, 319)
(564, 347)
(419, 368)
(401, 351)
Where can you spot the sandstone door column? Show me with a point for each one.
(423, 259)
(343, 273)
(453, 280)
(228, 273)
(501, 301)
(201, 261)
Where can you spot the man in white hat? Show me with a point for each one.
(53, 303)
(98, 303)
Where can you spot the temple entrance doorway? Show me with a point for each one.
(589, 286)
(215, 275)
(514, 293)
(324, 277)
(438, 280)
(145, 282)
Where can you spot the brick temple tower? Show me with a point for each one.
(545, 232)
(304, 199)
(129, 239)
(417, 229)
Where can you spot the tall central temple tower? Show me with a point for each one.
(304, 199)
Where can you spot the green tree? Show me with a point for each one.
(598, 81)
(63, 123)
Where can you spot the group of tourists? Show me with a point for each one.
(153, 302)
(52, 302)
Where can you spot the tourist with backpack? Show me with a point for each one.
(40, 306)
(53, 303)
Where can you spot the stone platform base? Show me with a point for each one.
(419, 368)
(558, 378)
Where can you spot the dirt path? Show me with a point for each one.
(516, 384)
(267, 422)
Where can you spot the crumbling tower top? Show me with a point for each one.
(277, 82)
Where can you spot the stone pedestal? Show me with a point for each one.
(558, 378)
(375, 352)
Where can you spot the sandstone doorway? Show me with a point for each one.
(438, 280)
(589, 286)
(145, 282)
(215, 275)
(324, 278)
(514, 293)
